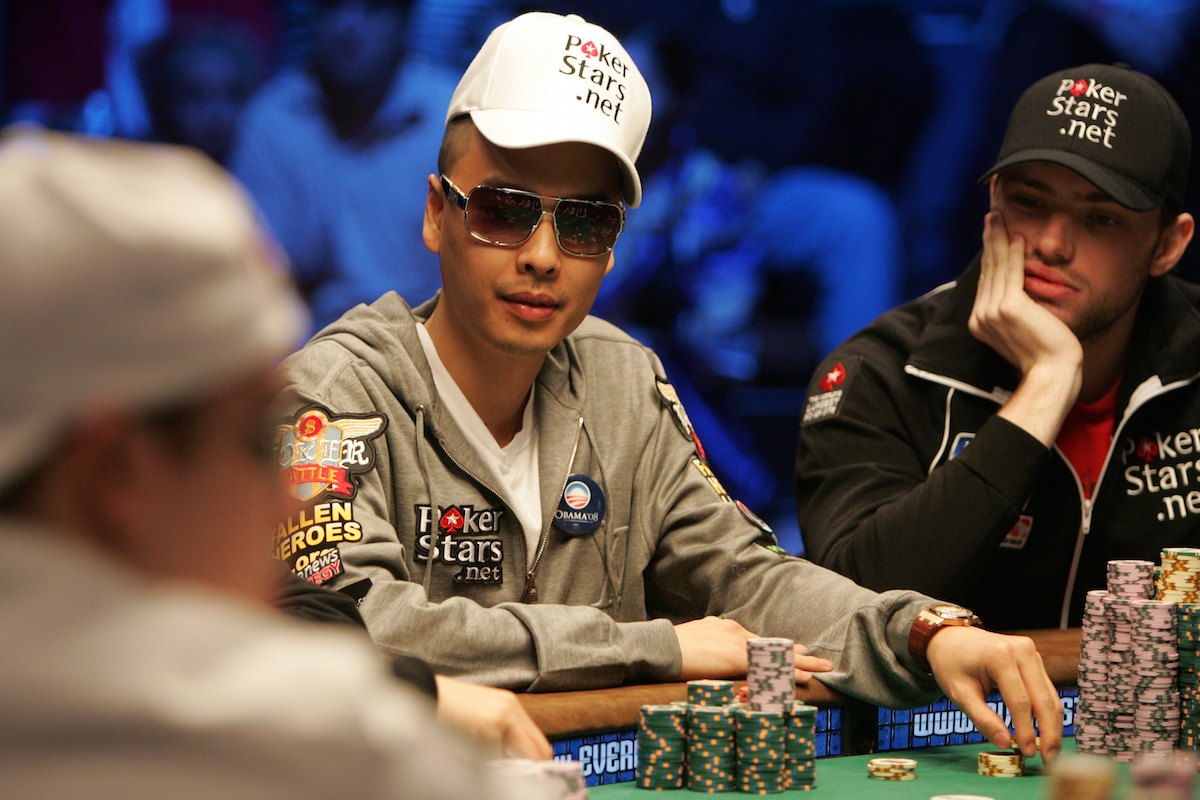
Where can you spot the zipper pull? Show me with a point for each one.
(530, 595)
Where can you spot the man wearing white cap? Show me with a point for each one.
(140, 323)
(512, 487)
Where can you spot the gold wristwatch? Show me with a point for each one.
(930, 621)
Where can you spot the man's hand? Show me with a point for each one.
(714, 647)
(1029, 336)
(966, 663)
(492, 716)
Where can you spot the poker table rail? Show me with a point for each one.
(565, 714)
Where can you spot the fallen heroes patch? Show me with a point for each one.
(321, 453)
(309, 541)
(825, 399)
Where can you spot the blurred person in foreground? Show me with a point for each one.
(141, 321)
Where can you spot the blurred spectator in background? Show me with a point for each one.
(196, 78)
(751, 255)
(325, 148)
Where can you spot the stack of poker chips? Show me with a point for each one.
(1093, 711)
(561, 779)
(1179, 576)
(801, 747)
(710, 693)
(662, 746)
(761, 751)
(711, 752)
(1188, 627)
(892, 769)
(1155, 685)
(771, 674)
(1129, 701)
(711, 744)
(1001, 764)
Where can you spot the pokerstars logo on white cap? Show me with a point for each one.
(543, 79)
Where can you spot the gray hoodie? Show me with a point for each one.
(594, 608)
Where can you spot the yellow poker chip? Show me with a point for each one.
(892, 769)
(1001, 764)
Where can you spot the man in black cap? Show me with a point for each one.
(999, 440)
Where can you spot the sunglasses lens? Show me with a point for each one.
(587, 229)
(502, 217)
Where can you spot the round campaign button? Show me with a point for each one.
(581, 508)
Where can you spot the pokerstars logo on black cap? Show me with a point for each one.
(1112, 125)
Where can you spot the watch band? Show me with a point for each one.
(929, 621)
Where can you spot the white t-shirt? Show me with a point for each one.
(516, 463)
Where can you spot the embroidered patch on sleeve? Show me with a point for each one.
(704, 469)
(321, 453)
(670, 399)
(1018, 537)
(825, 400)
(309, 542)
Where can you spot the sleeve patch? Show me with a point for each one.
(670, 399)
(320, 453)
(706, 471)
(825, 400)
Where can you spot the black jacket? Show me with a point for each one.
(890, 494)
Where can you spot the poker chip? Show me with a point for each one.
(892, 769)
(761, 754)
(1132, 579)
(1001, 764)
(770, 674)
(1137, 659)
(711, 744)
(662, 746)
(800, 747)
(709, 693)
(711, 751)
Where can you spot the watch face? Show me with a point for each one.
(952, 612)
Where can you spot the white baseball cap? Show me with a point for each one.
(133, 276)
(543, 78)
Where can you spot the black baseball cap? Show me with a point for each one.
(1111, 124)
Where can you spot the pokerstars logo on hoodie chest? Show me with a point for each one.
(1166, 465)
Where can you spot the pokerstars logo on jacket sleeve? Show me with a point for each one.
(1166, 465)
(825, 400)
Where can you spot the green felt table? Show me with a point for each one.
(940, 770)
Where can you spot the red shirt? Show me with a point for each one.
(1086, 434)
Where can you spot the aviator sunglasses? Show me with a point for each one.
(508, 217)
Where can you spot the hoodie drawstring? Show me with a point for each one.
(433, 532)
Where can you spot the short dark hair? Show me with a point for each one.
(454, 142)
